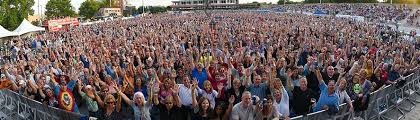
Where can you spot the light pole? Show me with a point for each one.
(142, 7)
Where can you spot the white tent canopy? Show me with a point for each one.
(26, 27)
(6, 33)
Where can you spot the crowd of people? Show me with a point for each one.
(414, 19)
(231, 65)
(379, 13)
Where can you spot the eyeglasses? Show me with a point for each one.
(111, 102)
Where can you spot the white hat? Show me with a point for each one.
(88, 87)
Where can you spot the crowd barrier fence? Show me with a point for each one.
(17, 107)
(391, 102)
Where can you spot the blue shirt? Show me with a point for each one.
(141, 113)
(70, 86)
(325, 99)
(260, 90)
(393, 75)
(200, 76)
(110, 72)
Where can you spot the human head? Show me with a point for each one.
(109, 101)
(169, 102)
(303, 84)
(204, 105)
(330, 70)
(207, 86)
(246, 99)
(331, 86)
(257, 80)
(138, 98)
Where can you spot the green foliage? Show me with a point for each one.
(105, 3)
(89, 8)
(59, 8)
(404, 1)
(157, 9)
(153, 9)
(281, 2)
(12, 12)
(130, 11)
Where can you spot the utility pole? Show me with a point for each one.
(142, 7)
(110, 1)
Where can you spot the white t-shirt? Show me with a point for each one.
(239, 112)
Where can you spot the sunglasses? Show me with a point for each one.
(112, 102)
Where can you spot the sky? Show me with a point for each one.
(76, 3)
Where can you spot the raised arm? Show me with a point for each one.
(99, 100)
(247, 80)
(230, 107)
(125, 98)
(79, 86)
(193, 90)
(177, 99)
(319, 76)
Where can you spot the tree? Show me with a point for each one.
(12, 12)
(59, 8)
(89, 8)
(106, 3)
(281, 2)
(157, 9)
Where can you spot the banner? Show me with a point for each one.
(62, 24)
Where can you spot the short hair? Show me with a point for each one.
(138, 94)
(245, 93)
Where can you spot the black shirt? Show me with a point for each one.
(114, 115)
(176, 113)
(231, 91)
(302, 100)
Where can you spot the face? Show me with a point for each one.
(236, 83)
(303, 84)
(342, 85)
(169, 103)
(257, 80)
(110, 102)
(269, 103)
(219, 110)
(186, 81)
(246, 100)
(139, 100)
(331, 87)
(167, 84)
(356, 78)
(330, 70)
(278, 94)
(49, 92)
(205, 104)
(207, 86)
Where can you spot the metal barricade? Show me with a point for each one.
(21, 107)
(389, 102)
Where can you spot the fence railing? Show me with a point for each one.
(391, 102)
(14, 106)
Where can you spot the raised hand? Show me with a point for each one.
(231, 99)
(195, 83)
(175, 89)
(156, 88)
(220, 86)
